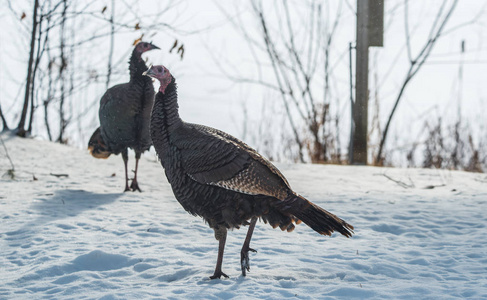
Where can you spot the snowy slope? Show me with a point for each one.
(419, 234)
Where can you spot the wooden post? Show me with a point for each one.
(360, 109)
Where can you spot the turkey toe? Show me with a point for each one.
(218, 275)
(135, 186)
(245, 261)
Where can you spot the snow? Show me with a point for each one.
(418, 234)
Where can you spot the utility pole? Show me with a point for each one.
(370, 16)
(360, 108)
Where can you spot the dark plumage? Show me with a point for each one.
(125, 116)
(220, 178)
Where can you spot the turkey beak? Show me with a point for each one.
(154, 47)
(149, 72)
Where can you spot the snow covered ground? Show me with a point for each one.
(418, 234)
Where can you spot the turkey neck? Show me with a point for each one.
(165, 114)
(137, 67)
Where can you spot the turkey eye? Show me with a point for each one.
(159, 70)
(146, 45)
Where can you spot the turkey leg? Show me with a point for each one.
(221, 236)
(244, 254)
(125, 158)
(135, 186)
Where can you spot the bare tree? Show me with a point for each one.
(54, 74)
(298, 51)
(295, 58)
(416, 62)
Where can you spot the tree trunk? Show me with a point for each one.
(112, 43)
(34, 72)
(20, 128)
(62, 78)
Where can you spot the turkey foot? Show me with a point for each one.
(218, 275)
(221, 236)
(244, 253)
(125, 160)
(244, 260)
(134, 186)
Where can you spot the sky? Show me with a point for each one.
(211, 41)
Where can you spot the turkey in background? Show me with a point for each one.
(125, 116)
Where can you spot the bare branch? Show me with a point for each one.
(11, 171)
(4, 121)
(406, 28)
(297, 45)
(112, 42)
(275, 68)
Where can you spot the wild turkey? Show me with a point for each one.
(220, 178)
(125, 116)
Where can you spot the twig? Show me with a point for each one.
(8, 156)
(59, 175)
(4, 121)
(480, 180)
(406, 27)
(400, 183)
(430, 187)
(273, 56)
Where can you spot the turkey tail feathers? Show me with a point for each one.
(315, 217)
(97, 145)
